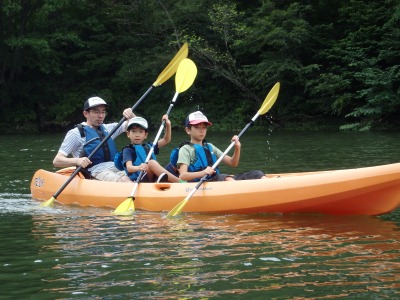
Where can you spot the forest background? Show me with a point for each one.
(338, 62)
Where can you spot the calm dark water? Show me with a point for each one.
(86, 253)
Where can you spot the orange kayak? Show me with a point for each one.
(361, 191)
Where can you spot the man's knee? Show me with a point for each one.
(124, 179)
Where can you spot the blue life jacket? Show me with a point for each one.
(93, 138)
(140, 155)
(204, 154)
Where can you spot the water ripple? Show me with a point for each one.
(74, 252)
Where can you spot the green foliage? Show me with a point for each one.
(368, 94)
(336, 60)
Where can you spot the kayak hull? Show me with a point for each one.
(361, 191)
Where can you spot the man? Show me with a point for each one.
(85, 137)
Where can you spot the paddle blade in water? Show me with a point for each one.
(126, 208)
(173, 65)
(270, 99)
(185, 75)
(184, 78)
(48, 202)
(167, 73)
(267, 104)
(178, 208)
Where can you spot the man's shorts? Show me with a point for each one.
(109, 175)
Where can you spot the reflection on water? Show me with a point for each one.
(70, 252)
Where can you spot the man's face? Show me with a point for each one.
(95, 116)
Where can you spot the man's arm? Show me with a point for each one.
(62, 161)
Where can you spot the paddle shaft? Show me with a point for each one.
(233, 143)
(102, 143)
(141, 174)
(267, 104)
(185, 76)
(215, 165)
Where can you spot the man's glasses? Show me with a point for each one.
(99, 112)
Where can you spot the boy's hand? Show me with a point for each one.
(167, 121)
(235, 139)
(209, 171)
(143, 167)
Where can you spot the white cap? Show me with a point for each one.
(139, 121)
(196, 117)
(93, 102)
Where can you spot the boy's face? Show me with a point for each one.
(197, 132)
(137, 134)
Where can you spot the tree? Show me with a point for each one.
(355, 75)
(336, 60)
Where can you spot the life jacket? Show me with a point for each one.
(140, 155)
(204, 154)
(93, 138)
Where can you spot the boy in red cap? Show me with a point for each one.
(196, 158)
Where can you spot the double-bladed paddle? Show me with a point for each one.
(184, 78)
(167, 73)
(267, 104)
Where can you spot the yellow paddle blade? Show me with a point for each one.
(171, 68)
(270, 99)
(185, 75)
(126, 208)
(48, 202)
(267, 104)
(177, 208)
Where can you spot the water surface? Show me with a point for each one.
(86, 253)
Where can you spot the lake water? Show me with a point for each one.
(86, 253)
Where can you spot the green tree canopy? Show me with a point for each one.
(337, 61)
